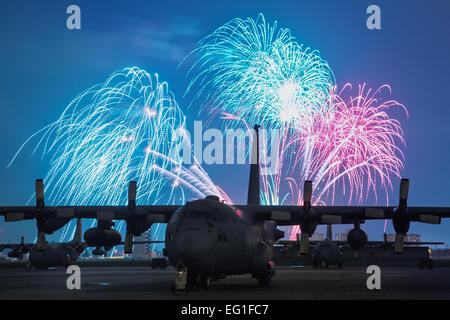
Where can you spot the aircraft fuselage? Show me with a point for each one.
(214, 239)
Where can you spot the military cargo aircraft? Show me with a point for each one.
(214, 239)
(55, 254)
(328, 252)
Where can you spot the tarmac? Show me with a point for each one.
(289, 283)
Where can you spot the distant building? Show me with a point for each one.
(409, 237)
(317, 236)
(440, 253)
(412, 237)
(142, 251)
(341, 236)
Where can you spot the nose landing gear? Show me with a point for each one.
(187, 281)
(181, 279)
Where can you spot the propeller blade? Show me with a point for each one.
(428, 218)
(304, 243)
(404, 187)
(41, 241)
(132, 189)
(128, 245)
(307, 192)
(398, 246)
(40, 194)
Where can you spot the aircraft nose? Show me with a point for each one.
(193, 245)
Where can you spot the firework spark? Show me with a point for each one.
(253, 72)
(115, 132)
(258, 72)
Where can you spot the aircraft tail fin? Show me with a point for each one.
(78, 232)
(253, 197)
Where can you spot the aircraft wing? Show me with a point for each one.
(13, 246)
(143, 242)
(293, 242)
(294, 215)
(369, 243)
(406, 243)
(156, 213)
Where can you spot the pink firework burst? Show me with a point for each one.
(352, 148)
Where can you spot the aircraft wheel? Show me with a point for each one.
(205, 282)
(262, 282)
(192, 282)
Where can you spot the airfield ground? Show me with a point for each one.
(142, 282)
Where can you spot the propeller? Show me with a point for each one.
(385, 242)
(132, 190)
(23, 249)
(401, 220)
(40, 206)
(306, 227)
(307, 193)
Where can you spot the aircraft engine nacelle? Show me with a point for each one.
(356, 238)
(14, 254)
(51, 225)
(98, 252)
(97, 237)
(138, 228)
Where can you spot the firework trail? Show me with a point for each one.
(353, 148)
(115, 132)
(251, 72)
(257, 72)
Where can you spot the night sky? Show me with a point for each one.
(44, 66)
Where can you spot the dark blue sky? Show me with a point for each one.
(44, 66)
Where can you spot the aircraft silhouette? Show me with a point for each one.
(55, 254)
(213, 239)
